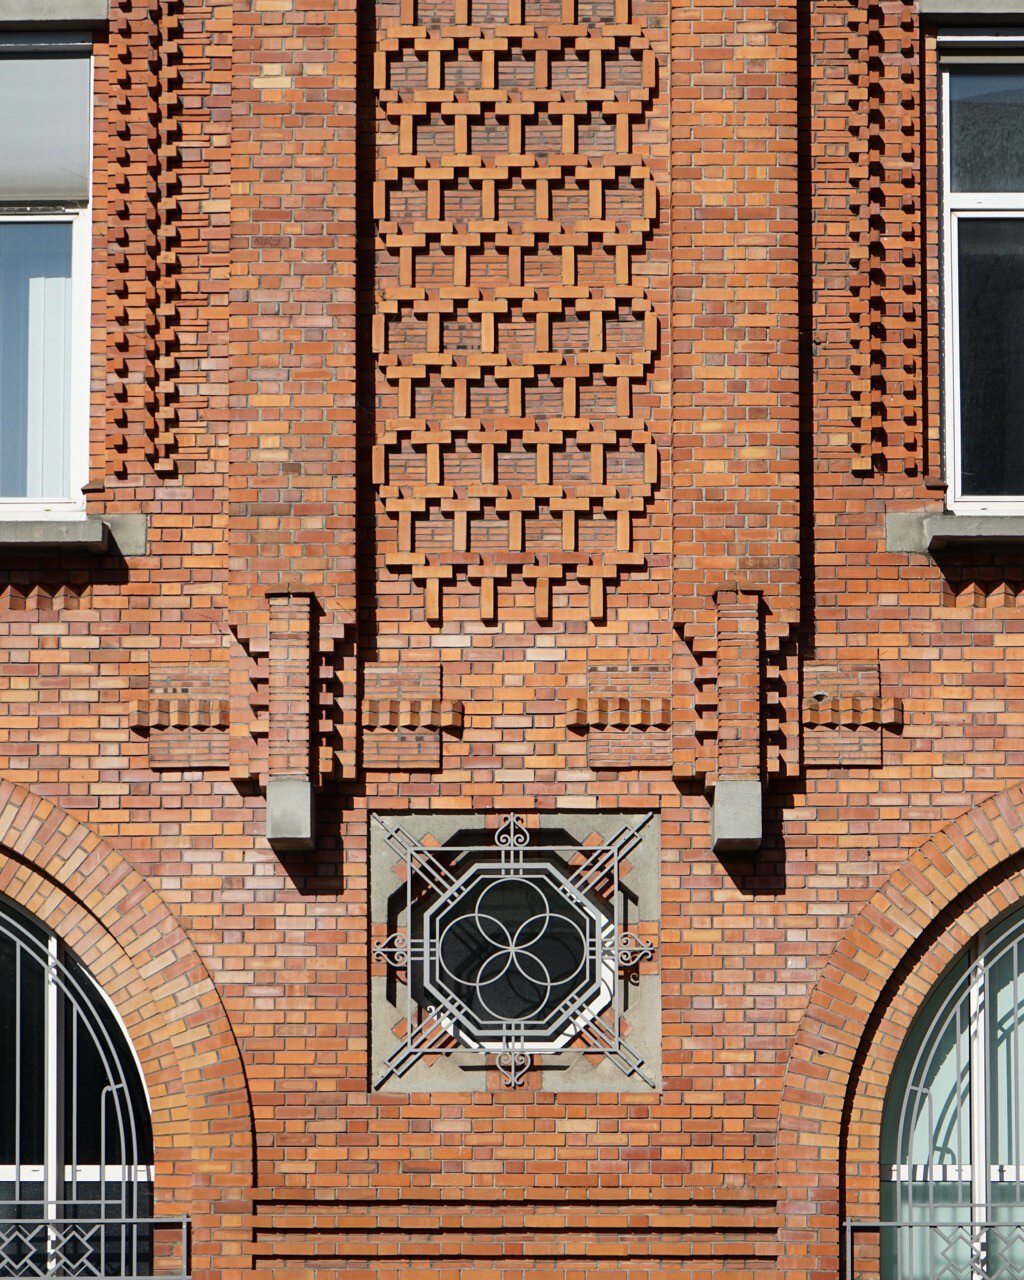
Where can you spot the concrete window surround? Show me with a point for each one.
(45, 13)
(463, 1071)
(127, 533)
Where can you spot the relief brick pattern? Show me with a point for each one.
(511, 331)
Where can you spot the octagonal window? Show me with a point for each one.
(516, 953)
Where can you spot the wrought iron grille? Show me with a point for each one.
(952, 1172)
(58, 1242)
(513, 951)
(980, 1249)
(75, 1137)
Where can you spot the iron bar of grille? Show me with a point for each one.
(978, 1247)
(74, 1246)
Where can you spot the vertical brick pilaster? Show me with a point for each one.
(739, 684)
(291, 675)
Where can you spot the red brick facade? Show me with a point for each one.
(516, 391)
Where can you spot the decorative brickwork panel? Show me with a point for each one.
(844, 714)
(511, 331)
(187, 712)
(404, 715)
(626, 716)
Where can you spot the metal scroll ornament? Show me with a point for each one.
(513, 951)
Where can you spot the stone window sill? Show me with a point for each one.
(929, 531)
(89, 534)
(971, 11)
(51, 13)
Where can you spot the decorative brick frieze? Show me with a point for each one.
(626, 716)
(186, 711)
(513, 331)
(844, 713)
(404, 716)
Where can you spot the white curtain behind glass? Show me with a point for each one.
(35, 359)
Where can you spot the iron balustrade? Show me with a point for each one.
(75, 1241)
(982, 1245)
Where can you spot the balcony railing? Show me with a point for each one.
(986, 1246)
(81, 1248)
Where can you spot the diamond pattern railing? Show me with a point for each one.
(41, 1248)
(973, 1249)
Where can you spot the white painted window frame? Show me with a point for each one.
(956, 208)
(80, 218)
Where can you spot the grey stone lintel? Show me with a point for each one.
(971, 10)
(736, 815)
(90, 534)
(54, 13)
(926, 531)
(291, 813)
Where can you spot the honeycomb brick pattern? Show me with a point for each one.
(512, 205)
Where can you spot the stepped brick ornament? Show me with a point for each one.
(512, 952)
(511, 208)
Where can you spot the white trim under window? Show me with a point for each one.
(958, 209)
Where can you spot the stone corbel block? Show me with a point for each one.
(291, 819)
(737, 807)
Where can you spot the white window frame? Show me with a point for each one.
(80, 219)
(956, 208)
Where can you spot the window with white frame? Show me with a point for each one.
(76, 1143)
(952, 1168)
(45, 162)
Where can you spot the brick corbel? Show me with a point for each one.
(736, 814)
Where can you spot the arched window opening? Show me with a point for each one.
(952, 1169)
(76, 1143)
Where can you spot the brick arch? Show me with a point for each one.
(878, 976)
(86, 892)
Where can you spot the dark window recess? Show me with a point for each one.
(986, 137)
(990, 253)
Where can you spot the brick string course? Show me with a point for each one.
(699, 369)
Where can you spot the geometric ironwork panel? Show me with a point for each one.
(511, 948)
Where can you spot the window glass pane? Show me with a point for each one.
(44, 128)
(22, 1054)
(35, 359)
(106, 1115)
(990, 285)
(1005, 1012)
(986, 130)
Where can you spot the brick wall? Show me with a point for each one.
(496, 374)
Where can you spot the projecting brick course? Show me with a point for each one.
(464, 355)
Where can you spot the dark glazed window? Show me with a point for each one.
(990, 265)
(984, 265)
(986, 130)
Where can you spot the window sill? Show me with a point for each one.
(972, 11)
(45, 13)
(928, 531)
(93, 535)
